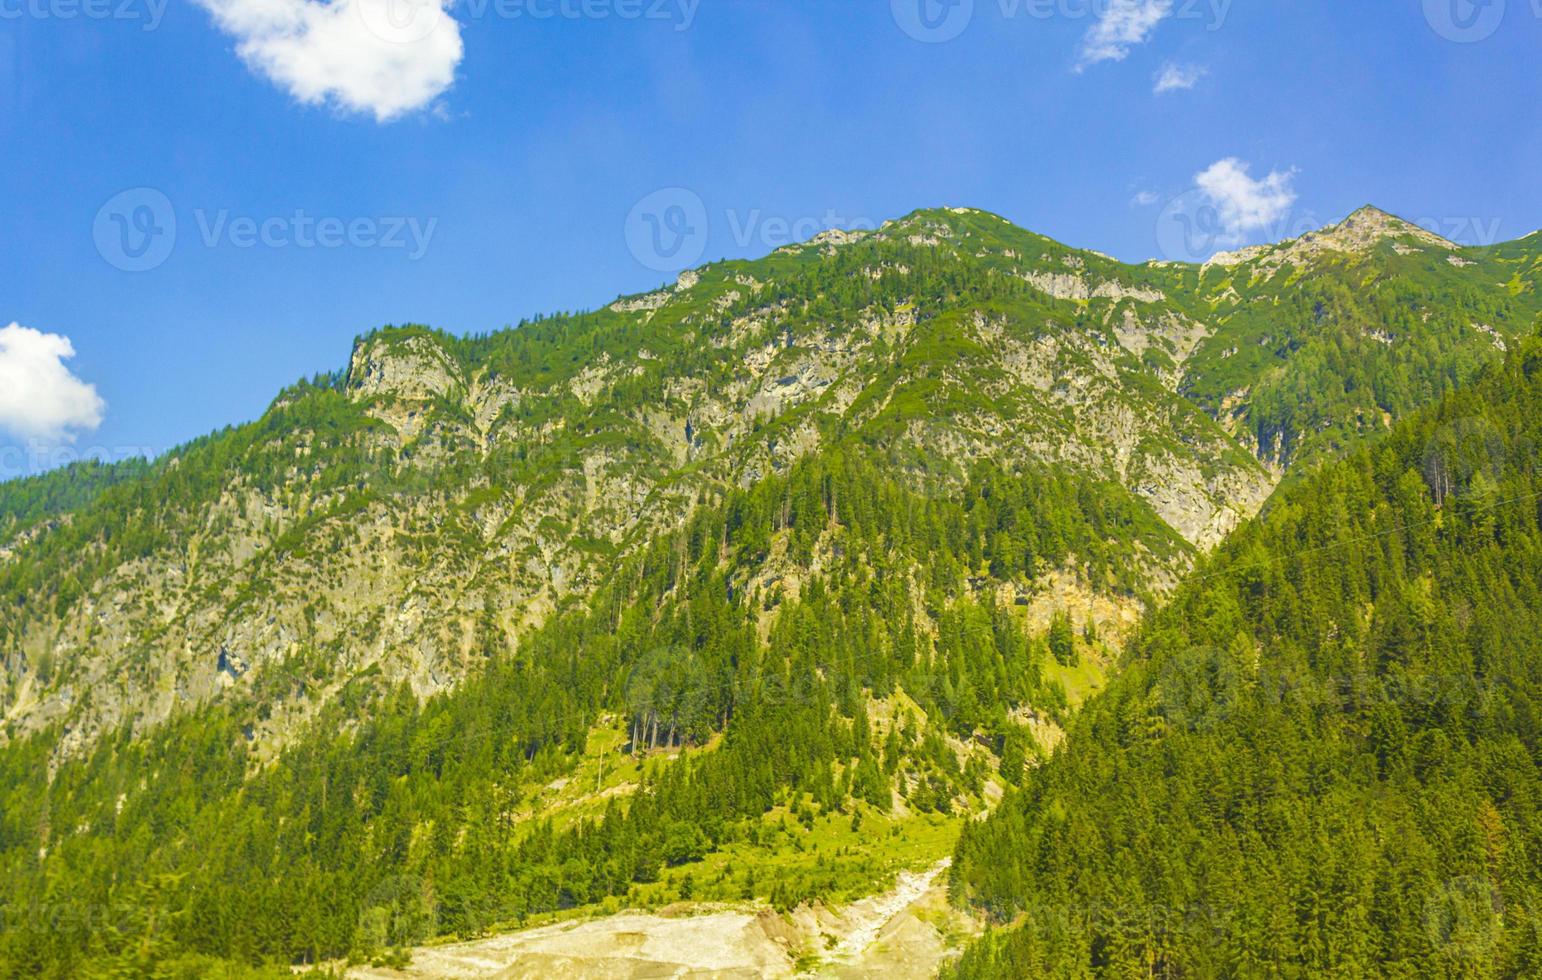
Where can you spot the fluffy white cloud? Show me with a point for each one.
(1122, 25)
(1243, 204)
(383, 57)
(1176, 78)
(39, 397)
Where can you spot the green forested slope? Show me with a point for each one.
(1321, 352)
(1322, 757)
(182, 847)
(491, 479)
(24, 502)
(788, 548)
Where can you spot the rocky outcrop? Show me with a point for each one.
(416, 369)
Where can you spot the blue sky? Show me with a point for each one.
(332, 169)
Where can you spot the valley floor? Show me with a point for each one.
(907, 931)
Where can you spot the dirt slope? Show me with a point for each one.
(905, 932)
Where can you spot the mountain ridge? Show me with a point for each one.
(568, 438)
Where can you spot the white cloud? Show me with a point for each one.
(1144, 199)
(1122, 25)
(1176, 78)
(383, 57)
(39, 397)
(1243, 204)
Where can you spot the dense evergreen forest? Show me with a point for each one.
(67, 489)
(1322, 757)
(179, 850)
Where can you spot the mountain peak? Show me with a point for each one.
(1361, 232)
(1369, 226)
(1371, 212)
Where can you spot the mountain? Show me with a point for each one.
(1322, 757)
(752, 588)
(1337, 333)
(441, 496)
